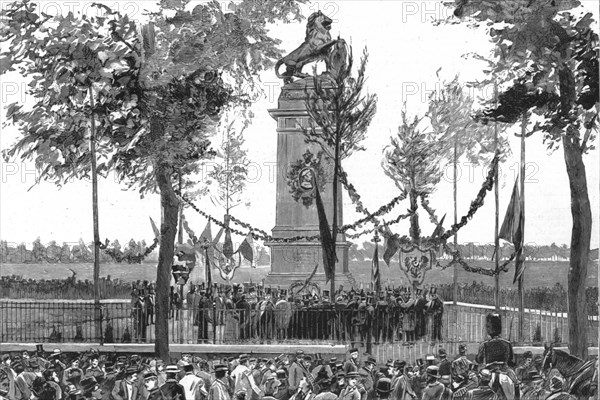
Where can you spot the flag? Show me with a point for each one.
(228, 245)
(246, 248)
(155, 229)
(327, 241)
(375, 277)
(391, 244)
(207, 235)
(218, 237)
(512, 229)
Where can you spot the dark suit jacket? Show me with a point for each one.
(120, 392)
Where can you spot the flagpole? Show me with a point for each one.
(520, 258)
(455, 267)
(497, 199)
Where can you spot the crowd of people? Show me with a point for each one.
(296, 376)
(246, 311)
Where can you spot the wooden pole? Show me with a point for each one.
(455, 186)
(497, 217)
(97, 310)
(520, 257)
(180, 232)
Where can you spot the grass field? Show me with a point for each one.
(538, 274)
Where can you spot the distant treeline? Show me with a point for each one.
(81, 252)
(475, 251)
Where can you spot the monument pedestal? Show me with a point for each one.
(295, 261)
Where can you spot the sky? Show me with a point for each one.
(406, 52)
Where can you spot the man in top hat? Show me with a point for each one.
(219, 388)
(435, 390)
(435, 308)
(351, 365)
(484, 391)
(420, 308)
(445, 366)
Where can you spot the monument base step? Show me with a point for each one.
(285, 280)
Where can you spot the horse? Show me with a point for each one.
(581, 376)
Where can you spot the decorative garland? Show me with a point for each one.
(117, 255)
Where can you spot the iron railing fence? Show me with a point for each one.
(75, 321)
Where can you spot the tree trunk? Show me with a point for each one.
(97, 309)
(415, 231)
(336, 166)
(580, 247)
(168, 231)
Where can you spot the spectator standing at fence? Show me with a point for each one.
(420, 308)
(435, 308)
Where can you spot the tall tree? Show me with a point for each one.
(158, 96)
(339, 115)
(548, 56)
(450, 113)
(412, 161)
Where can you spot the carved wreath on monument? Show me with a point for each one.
(303, 174)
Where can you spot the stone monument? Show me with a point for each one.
(295, 261)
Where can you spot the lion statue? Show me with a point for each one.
(316, 46)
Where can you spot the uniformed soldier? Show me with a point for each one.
(171, 389)
(219, 389)
(151, 385)
(496, 354)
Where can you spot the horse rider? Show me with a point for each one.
(497, 356)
